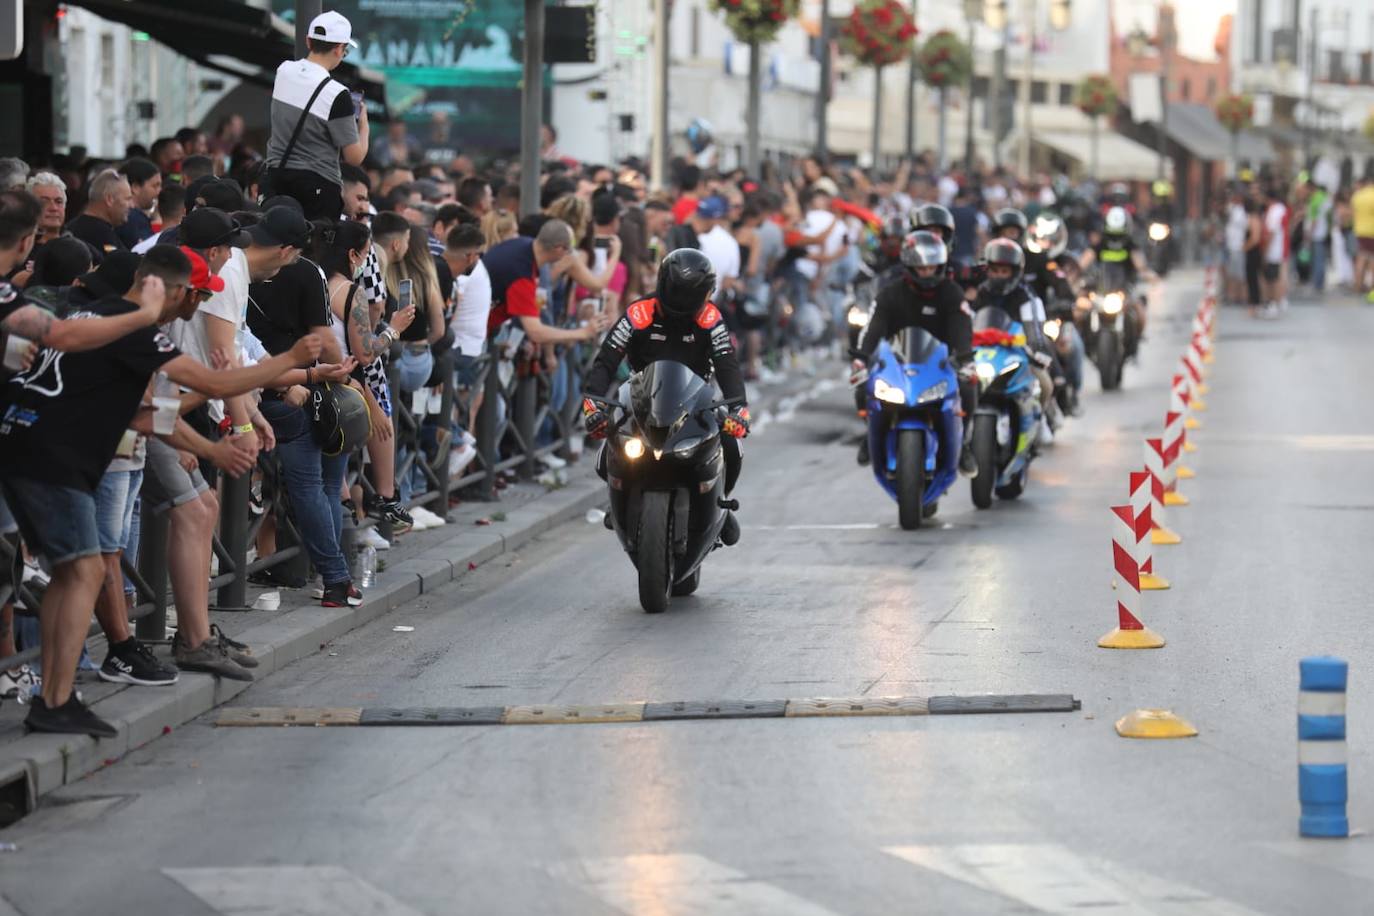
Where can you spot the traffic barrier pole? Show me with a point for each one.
(1178, 403)
(1194, 376)
(1169, 448)
(1185, 395)
(1129, 633)
(1159, 531)
(1175, 442)
(1198, 355)
(1144, 552)
(1322, 786)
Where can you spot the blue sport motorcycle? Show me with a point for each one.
(1007, 421)
(914, 428)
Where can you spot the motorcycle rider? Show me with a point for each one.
(924, 297)
(1046, 273)
(678, 323)
(938, 219)
(1116, 245)
(1011, 224)
(1005, 290)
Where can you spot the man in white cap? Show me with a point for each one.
(315, 120)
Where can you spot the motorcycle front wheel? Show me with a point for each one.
(985, 450)
(911, 470)
(654, 556)
(1109, 360)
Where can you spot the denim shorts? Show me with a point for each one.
(465, 370)
(166, 484)
(57, 522)
(414, 368)
(114, 508)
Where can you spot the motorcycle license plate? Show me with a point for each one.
(1003, 429)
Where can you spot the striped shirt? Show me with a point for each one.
(329, 127)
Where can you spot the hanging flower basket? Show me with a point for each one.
(944, 60)
(756, 20)
(878, 32)
(1096, 96)
(1235, 111)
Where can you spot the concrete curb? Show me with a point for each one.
(36, 764)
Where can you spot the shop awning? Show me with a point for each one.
(217, 33)
(1196, 128)
(1118, 158)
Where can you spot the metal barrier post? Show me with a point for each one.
(444, 362)
(233, 535)
(526, 408)
(486, 426)
(152, 566)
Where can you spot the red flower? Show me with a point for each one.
(883, 15)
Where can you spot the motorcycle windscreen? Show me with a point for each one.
(915, 345)
(993, 319)
(661, 397)
(1114, 278)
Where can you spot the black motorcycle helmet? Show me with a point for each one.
(1008, 218)
(1007, 252)
(685, 279)
(934, 218)
(925, 249)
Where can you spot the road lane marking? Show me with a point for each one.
(1054, 879)
(643, 711)
(681, 884)
(287, 890)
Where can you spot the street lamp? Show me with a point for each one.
(1060, 16)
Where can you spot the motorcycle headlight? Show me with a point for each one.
(857, 317)
(633, 447)
(1159, 232)
(1033, 245)
(1113, 303)
(889, 393)
(1052, 329)
(934, 392)
(985, 372)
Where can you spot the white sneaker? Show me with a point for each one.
(20, 682)
(425, 519)
(371, 537)
(553, 462)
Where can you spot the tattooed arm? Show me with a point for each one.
(365, 345)
(74, 335)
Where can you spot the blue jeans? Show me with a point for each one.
(1319, 264)
(114, 508)
(57, 522)
(413, 370)
(314, 483)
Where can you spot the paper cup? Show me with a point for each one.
(15, 348)
(268, 601)
(165, 413)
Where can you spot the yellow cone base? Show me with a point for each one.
(1186, 473)
(1201, 388)
(1149, 582)
(1163, 536)
(1192, 423)
(1189, 448)
(1197, 404)
(1174, 498)
(1131, 639)
(1209, 359)
(1154, 723)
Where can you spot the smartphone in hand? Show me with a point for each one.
(357, 104)
(406, 294)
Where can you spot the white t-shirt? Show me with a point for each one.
(1273, 225)
(1237, 222)
(143, 246)
(821, 222)
(469, 321)
(946, 189)
(722, 250)
(230, 304)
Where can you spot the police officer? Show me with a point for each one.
(924, 297)
(677, 323)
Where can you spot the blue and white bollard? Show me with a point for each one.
(1321, 747)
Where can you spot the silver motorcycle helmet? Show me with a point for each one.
(1048, 235)
(925, 249)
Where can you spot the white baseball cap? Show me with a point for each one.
(332, 27)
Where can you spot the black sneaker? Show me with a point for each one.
(276, 577)
(71, 718)
(342, 594)
(863, 451)
(968, 462)
(131, 662)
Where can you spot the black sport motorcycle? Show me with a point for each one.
(666, 475)
(1110, 324)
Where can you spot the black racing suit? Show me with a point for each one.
(1023, 306)
(644, 335)
(1048, 282)
(941, 310)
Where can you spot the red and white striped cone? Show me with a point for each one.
(1200, 334)
(1197, 355)
(1154, 466)
(1173, 463)
(1129, 633)
(1178, 403)
(1193, 367)
(1144, 550)
(1184, 384)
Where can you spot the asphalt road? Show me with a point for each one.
(824, 596)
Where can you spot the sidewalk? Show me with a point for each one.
(33, 765)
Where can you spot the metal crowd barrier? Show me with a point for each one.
(516, 426)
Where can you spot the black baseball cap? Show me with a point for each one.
(283, 200)
(221, 193)
(114, 276)
(281, 226)
(206, 227)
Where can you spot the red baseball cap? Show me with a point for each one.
(201, 278)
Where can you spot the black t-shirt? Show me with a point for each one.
(445, 282)
(283, 310)
(97, 233)
(137, 228)
(62, 419)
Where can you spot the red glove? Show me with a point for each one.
(737, 424)
(594, 419)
